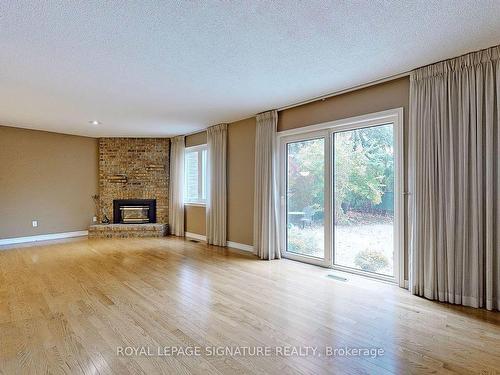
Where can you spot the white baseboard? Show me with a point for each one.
(43, 237)
(240, 246)
(234, 245)
(195, 236)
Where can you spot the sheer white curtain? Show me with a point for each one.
(266, 196)
(217, 195)
(454, 180)
(176, 198)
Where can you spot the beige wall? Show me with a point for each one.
(45, 176)
(196, 139)
(240, 180)
(195, 219)
(388, 95)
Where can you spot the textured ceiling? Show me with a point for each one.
(160, 68)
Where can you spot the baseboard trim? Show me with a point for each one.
(240, 246)
(195, 236)
(234, 245)
(43, 237)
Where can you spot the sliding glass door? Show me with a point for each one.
(364, 199)
(341, 191)
(306, 166)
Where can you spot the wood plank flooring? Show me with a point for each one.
(69, 306)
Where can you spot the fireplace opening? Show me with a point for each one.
(134, 211)
(135, 214)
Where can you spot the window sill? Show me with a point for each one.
(195, 204)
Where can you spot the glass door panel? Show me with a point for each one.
(364, 199)
(305, 193)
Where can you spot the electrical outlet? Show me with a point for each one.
(34, 223)
(94, 219)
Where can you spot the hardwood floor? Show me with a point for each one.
(69, 306)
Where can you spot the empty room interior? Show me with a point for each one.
(249, 187)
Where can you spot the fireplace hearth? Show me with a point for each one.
(134, 211)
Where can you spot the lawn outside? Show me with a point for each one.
(350, 240)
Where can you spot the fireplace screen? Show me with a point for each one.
(134, 211)
(135, 214)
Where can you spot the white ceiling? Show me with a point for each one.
(161, 68)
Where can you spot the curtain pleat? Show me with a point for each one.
(266, 197)
(217, 195)
(454, 180)
(176, 195)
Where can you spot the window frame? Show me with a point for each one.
(202, 175)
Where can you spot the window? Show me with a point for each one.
(195, 186)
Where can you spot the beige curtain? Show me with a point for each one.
(217, 196)
(266, 197)
(454, 180)
(176, 194)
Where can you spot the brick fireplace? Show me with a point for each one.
(133, 169)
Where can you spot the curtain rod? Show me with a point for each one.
(326, 96)
(345, 91)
